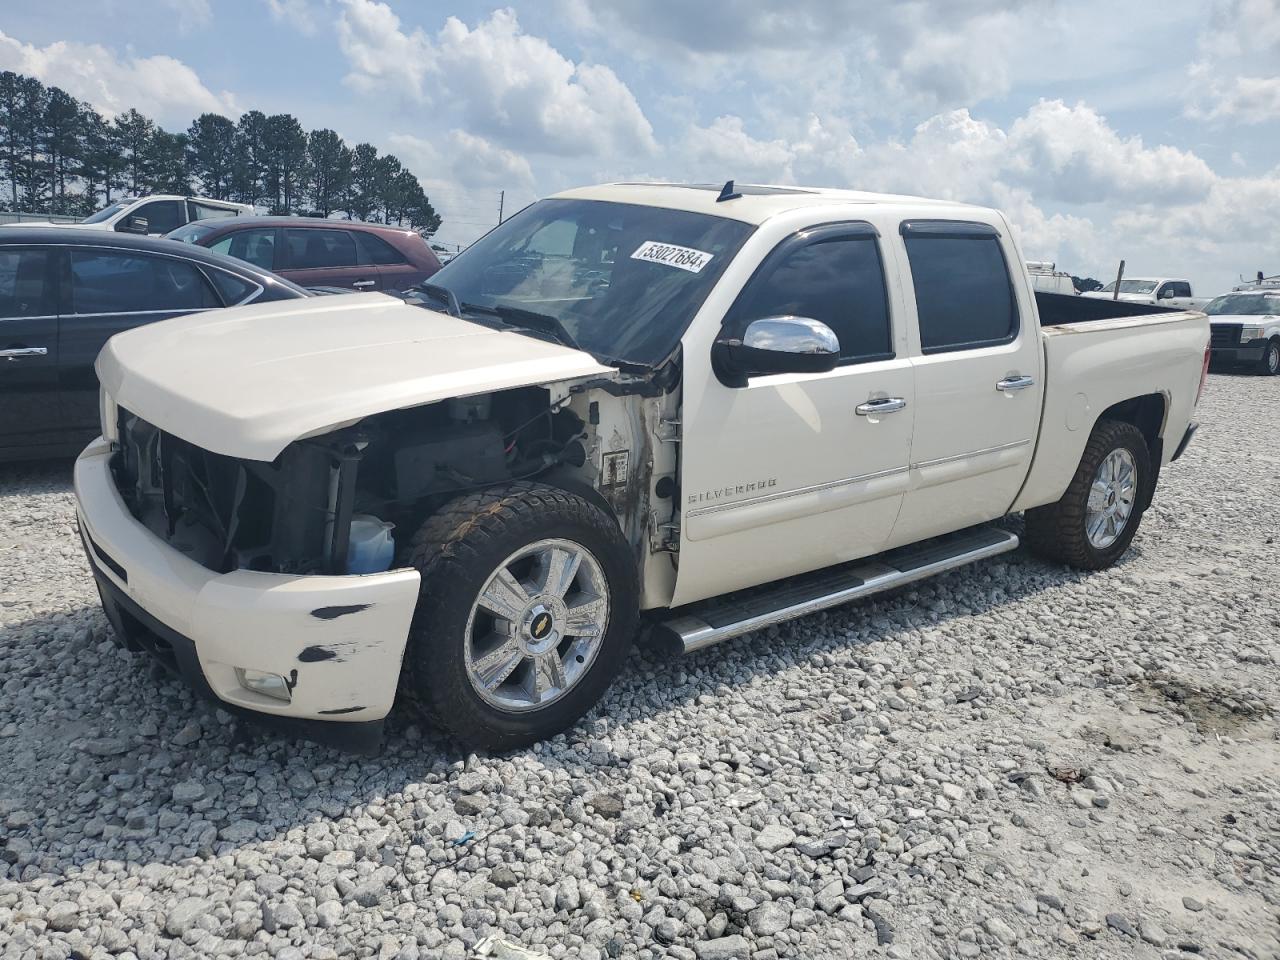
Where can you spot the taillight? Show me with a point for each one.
(1204, 373)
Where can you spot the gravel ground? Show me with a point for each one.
(1011, 759)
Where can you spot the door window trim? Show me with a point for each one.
(825, 233)
(960, 230)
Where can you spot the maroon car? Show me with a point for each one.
(320, 253)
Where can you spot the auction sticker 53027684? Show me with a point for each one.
(685, 258)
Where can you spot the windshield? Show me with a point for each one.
(1131, 286)
(623, 281)
(191, 233)
(106, 213)
(1244, 305)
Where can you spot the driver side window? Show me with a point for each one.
(836, 279)
(161, 215)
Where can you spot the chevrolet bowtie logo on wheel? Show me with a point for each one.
(541, 624)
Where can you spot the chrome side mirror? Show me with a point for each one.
(775, 345)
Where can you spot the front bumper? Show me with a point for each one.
(1250, 352)
(338, 640)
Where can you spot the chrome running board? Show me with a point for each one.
(701, 624)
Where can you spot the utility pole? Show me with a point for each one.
(1115, 294)
(502, 199)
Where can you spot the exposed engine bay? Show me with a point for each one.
(294, 515)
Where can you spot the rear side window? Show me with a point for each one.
(838, 280)
(200, 211)
(319, 248)
(373, 249)
(110, 282)
(1178, 288)
(257, 246)
(232, 288)
(964, 298)
(24, 283)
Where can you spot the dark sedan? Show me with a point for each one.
(321, 253)
(64, 291)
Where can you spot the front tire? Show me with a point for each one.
(1094, 522)
(527, 609)
(1269, 365)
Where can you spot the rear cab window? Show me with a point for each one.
(963, 288)
(833, 274)
(203, 211)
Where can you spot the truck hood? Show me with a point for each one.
(248, 381)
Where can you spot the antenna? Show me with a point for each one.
(727, 192)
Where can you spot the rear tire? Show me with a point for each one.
(1094, 522)
(560, 569)
(1269, 365)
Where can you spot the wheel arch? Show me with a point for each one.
(1148, 413)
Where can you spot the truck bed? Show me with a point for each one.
(1059, 308)
(1102, 354)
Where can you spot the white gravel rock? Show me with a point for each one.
(1011, 759)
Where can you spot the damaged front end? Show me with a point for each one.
(294, 514)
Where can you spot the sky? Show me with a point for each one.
(1140, 130)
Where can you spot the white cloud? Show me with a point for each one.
(508, 85)
(463, 158)
(165, 89)
(1235, 75)
(301, 15)
(883, 56)
(1159, 205)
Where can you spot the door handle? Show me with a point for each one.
(883, 405)
(13, 353)
(361, 284)
(1013, 384)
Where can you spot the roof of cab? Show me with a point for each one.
(757, 203)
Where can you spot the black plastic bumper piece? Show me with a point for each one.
(1186, 439)
(137, 630)
(1249, 353)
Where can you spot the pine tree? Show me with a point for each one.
(363, 191)
(211, 148)
(103, 166)
(62, 139)
(329, 171)
(132, 138)
(166, 160)
(251, 151)
(59, 155)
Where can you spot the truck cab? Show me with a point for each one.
(1158, 291)
(157, 214)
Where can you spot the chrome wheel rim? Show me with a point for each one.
(1111, 498)
(536, 625)
(1273, 358)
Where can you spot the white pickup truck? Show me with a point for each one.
(1161, 291)
(696, 410)
(155, 214)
